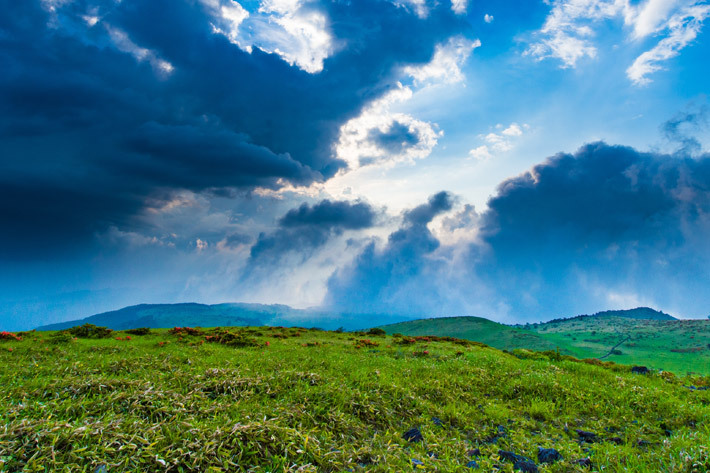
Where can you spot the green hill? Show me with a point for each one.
(676, 345)
(293, 400)
(478, 329)
(640, 336)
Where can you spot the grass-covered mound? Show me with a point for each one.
(274, 400)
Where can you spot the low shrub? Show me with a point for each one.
(185, 331)
(9, 336)
(89, 331)
(138, 331)
(238, 340)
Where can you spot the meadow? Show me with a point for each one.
(680, 346)
(273, 399)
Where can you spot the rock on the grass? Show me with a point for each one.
(584, 436)
(548, 455)
(474, 453)
(437, 421)
(520, 462)
(585, 462)
(413, 435)
(472, 464)
(640, 370)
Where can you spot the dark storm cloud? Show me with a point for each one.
(391, 280)
(607, 226)
(604, 227)
(304, 229)
(88, 132)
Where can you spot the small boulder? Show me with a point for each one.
(413, 435)
(520, 462)
(585, 462)
(548, 455)
(474, 453)
(640, 370)
(417, 463)
(588, 437)
(472, 464)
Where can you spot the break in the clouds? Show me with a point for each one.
(350, 154)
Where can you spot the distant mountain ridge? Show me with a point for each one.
(639, 313)
(226, 315)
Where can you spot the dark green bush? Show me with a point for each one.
(138, 331)
(376, 331)
(89, 331)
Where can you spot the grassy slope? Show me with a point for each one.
(313, 402)
(474, 328)
(650, 343)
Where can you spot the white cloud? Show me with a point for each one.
(481, 153)
(488, 18)
(358, 144)
(513, 130)
(200, 245)
(684, 28)
(498, 143)
(445, 65)
(418, 6)
(459, 6)
(124, 43)
(293, 29)
(568, 31)
(227, 17)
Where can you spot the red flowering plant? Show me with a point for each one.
(185, 331)
(10, 336)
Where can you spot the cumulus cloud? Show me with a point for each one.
(488, 18)
(302, 230)
(459, 6)
(579, 233)
(389, 280)
(569, 30)
(498, 143)
(607, 218)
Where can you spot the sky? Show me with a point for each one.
(516, 160)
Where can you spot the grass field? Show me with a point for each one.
(276, 400)
(681, 346)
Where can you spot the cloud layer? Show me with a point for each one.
(103, 108)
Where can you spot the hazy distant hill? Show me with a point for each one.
(640, 313)
(225, 315)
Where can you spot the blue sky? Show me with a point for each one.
(514, 160)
